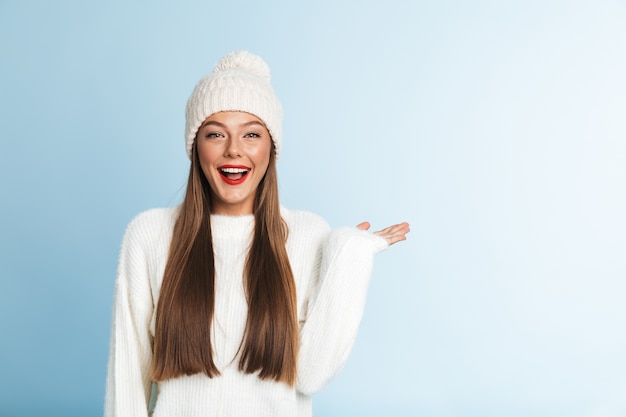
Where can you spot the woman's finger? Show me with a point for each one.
(395, 233)
(363, 226)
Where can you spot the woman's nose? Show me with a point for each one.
(233, 148)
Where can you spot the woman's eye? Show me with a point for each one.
(213, 135)
(252, 135)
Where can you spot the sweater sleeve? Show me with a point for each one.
(335, 305)
(128, 381)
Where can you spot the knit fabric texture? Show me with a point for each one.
(240, 81)
(331, 272)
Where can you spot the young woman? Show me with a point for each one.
(230, 304)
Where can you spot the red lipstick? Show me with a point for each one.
(234, 174)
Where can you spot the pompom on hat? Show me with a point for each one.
(240, 81)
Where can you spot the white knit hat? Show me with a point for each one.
(240, 81)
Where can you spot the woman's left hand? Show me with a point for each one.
(392, 234)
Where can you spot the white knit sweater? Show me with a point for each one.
(331, 271)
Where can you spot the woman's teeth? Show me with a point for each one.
(234, 173)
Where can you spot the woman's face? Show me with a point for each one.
(234, 152)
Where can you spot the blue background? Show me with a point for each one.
(496, 128)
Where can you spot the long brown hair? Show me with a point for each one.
(182, 340)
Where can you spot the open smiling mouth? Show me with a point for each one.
(234, 176)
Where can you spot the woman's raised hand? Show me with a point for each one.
(392, 234)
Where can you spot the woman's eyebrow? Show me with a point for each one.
(213, 123)
(252, 123)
